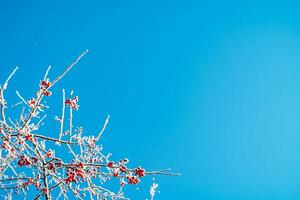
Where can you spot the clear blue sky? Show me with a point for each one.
(208, 88)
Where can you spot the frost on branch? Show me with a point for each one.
(31, 160)
(153, 190)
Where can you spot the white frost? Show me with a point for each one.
(153, 190)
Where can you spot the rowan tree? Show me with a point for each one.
(29, 159)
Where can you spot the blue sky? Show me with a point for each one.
(210, 89)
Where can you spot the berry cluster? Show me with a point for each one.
(75, 172)
(24, 161)
(132, 175)
(29, 137)
(72, 103)
(32, 103)
(44, 87)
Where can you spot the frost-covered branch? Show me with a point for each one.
(31, 159)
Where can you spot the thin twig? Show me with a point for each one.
(69, 68)
(62, 115)
(103, 128)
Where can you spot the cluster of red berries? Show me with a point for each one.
(31, 103)
(44, 87)
(51, 167)
(24, 161)
(140, 172)
(49, 153)
(72, 103)
(74, 173)
(29, 137)
(132, 179)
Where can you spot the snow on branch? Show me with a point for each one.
(30, 160)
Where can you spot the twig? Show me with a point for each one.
(103, 128)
